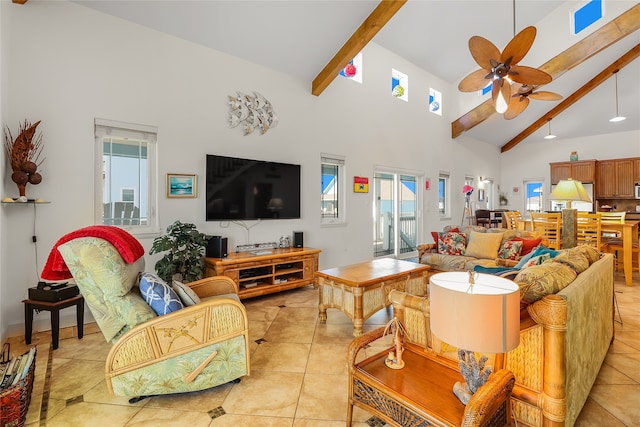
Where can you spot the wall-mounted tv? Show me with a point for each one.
(251, 189)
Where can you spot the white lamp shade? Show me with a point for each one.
(485, 318)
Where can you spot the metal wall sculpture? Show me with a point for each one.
(253, 112)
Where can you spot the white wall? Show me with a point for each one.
(531, 160)
(67, 64)
(2, 163)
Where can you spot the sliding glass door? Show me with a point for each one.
(395, 214)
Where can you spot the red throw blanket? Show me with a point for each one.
(127, 245)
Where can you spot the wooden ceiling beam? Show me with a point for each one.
(363, 35)
(604, 75)
(20, 1)
(608, 34)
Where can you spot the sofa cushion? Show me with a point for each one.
(574, 258)
(452, 243)
(528, 244)
(444, 262)
(544, 279)
(590, 252)
(160, 297)
(483, 245)
(186, 294)
(510, 249)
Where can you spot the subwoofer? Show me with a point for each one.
(297, 239)
(217, 247)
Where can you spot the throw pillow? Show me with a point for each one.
(186, 294)
(574, 258)
(510, 250)
(536, 260)
(528, 244)
(540, 250)
(541, 280)
(452, 243)
(434, 235)
(160, 297)
(483, 245)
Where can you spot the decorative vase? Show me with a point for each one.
(574, 156)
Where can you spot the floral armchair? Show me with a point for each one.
(193, 348)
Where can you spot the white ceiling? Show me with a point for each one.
(300, 37)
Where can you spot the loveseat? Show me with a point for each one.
(566, 328)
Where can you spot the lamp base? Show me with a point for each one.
(474, 373)
(569, 228)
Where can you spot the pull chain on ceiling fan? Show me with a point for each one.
(498, 67)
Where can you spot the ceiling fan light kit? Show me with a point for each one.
(618, 117)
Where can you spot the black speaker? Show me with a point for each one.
(217, 247)
(297, 239)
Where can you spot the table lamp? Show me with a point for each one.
(476, 313)
(569, 190)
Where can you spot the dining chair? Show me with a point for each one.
(549, 226)
(589, 231)
(483, 217)
(616, 217)
(513, 220)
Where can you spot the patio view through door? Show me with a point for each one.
(395, 214)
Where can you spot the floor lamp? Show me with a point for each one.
(569, 190)
(476, 313)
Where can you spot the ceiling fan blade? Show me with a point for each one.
(529, 75)
(516, 106)
(544, 95)
(483, 51)
(519, 45)
(474, 81)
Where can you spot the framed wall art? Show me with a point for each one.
(181, 185)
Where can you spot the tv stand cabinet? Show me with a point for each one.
(262, 274)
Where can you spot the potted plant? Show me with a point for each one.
(184, 257)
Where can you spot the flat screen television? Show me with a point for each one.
(240, 189)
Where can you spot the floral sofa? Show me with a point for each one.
(566, 328)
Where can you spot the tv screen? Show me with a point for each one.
(251, 189)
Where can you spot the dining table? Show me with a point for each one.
(629, 230)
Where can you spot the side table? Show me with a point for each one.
(54, 308)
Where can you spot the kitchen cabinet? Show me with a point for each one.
(637, 171)
(615, 179)
(583, 171)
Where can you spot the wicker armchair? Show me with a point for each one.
(193, 348)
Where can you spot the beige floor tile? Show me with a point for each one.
(257, 329)
(324, 397)
(75, 378)
(100, 394)
(262, 313)
(594, 415)
(297, 314)
(301, 332)
(86, 414)
(328, 359)
(281, 356)
(610, 375)
(622, 401)
(273, 394)
(199, 401)
(628, 364)
(631, 338)
(232, 420)
(169, 418)
(90, 347)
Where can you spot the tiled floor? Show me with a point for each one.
(298, 377)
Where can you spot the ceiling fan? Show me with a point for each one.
(500, 67)
(520, 100)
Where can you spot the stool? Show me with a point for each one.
(54, 308)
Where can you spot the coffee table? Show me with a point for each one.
(360, 290)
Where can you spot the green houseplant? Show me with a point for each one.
(184, 245)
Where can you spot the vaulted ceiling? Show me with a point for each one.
(301, 37)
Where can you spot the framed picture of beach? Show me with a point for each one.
(180, 185)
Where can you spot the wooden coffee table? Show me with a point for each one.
(360, 290)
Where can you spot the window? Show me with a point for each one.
(332, 189)
(125, 176)
(443, 195)
(533, 195)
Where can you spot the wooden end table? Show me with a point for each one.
(360, 290)
(54, 308)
